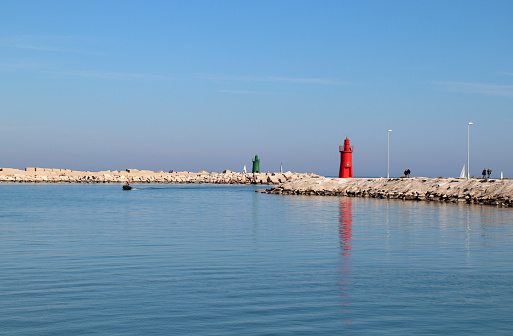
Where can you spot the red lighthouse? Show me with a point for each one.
(346, 160)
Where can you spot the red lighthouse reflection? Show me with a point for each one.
(345, 236)
(345, 225)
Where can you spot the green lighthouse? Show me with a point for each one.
(256, 164)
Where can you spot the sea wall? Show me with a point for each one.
(456, 190)
(51, 175)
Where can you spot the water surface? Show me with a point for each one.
(224, 260)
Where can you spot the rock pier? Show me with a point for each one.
(456, 190)
(47, 175)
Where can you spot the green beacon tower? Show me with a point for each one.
(256, 165)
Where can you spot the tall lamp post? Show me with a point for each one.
(468, 149)
(388, 153)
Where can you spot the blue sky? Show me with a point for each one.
(206, 85)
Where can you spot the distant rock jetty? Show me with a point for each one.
(455, 190)
(50, 175)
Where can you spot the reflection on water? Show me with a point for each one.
(345, 226)
(345, 236)
(255, 217)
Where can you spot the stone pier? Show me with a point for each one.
(51, 175)
(456, 190)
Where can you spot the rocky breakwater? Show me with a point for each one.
(47, 175)
(456, 190)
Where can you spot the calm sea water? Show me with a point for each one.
(224, 260)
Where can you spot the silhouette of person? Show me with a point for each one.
(484, 173)
(489, 171)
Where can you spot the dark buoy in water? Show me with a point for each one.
(127, 186)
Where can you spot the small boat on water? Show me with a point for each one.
(127, 187)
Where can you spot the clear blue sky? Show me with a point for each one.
(191, 85)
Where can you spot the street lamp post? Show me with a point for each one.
(388, 153)
(468, 149)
